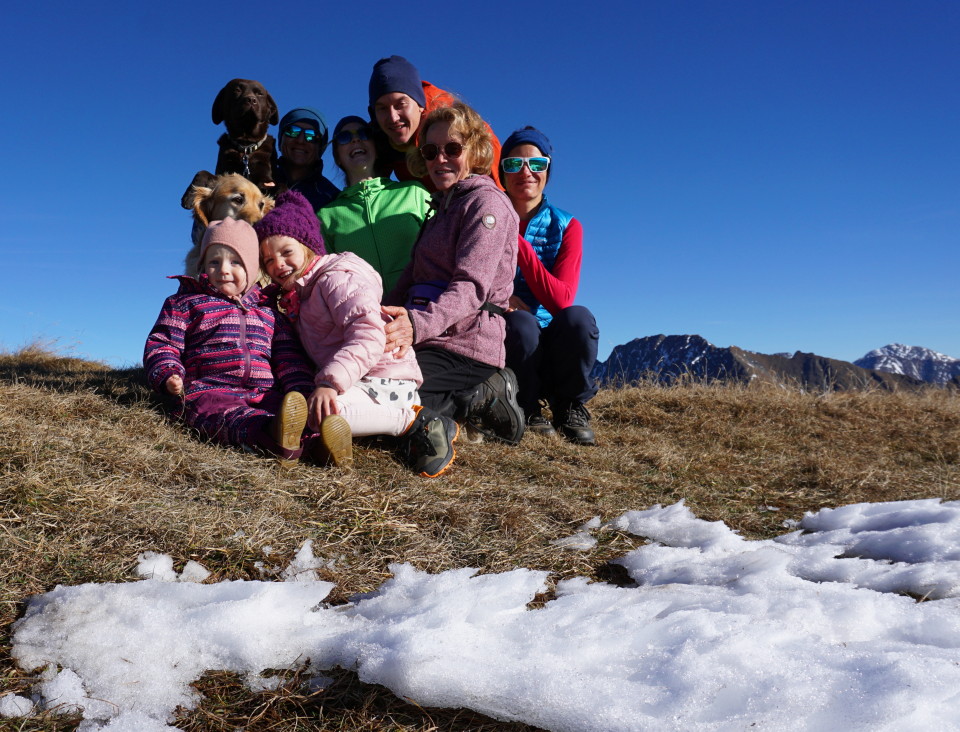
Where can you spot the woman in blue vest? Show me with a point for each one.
(551, 343)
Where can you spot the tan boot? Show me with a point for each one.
(334, 444)
(287, 427)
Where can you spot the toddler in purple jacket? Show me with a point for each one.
(333, 302)
(230, 363)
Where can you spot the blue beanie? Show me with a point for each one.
(306, 114)
(396, 74)
(347, 120)
(528, 136)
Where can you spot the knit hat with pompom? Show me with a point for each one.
(292, 216)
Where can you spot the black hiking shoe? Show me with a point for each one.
(573, 422)
(538, 424)
(427, 445)
(495, 411)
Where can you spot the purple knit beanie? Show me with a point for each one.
(396, 74)
(292, 216)
(241, 238)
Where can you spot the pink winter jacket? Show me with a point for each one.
(340, 324)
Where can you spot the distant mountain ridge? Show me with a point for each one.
(667, 358)
(915, 361)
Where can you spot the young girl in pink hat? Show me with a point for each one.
(333, 301)
(230, 364)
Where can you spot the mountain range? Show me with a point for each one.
(916, 361)
(668, 358)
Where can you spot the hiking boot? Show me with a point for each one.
(286, 428)
(574, 423)
(333, 444)
(538, 424)
(427, 445)
(495, 411)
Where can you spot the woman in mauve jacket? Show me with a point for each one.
(449, 302)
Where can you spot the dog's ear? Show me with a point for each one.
(221, 101)
(268, 204)
(274, 112)
(201, 196)
(202, 178)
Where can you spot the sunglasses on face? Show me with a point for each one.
(450, 149)
(515, 165)
(345, 137)
(293, 132)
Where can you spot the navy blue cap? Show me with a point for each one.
(527, 136)
(396, 74)
(347, 120)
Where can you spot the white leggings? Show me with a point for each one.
(379, 406)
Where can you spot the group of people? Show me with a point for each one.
(408, 307)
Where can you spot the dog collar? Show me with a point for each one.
(246, 150)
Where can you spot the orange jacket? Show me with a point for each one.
(436, 98)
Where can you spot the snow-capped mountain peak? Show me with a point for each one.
(916, 361)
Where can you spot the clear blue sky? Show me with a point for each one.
(775, 175)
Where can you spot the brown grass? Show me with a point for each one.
(93, 474)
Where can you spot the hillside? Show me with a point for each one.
(93, 475)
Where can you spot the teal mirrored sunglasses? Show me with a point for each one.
(293, 131)
(515, 165)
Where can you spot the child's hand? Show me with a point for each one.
(322, 403)
(175, 385)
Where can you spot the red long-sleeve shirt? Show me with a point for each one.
(555, 290)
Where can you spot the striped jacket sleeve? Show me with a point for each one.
(163, 351)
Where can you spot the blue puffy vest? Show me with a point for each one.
(545, 234)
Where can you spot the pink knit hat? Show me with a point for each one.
(241, 238)
(292, 216)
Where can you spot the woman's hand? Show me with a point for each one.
(399, 331)
(322, 403)
(174, 385)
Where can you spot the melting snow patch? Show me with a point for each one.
(810, 630)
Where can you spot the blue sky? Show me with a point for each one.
(774, 175)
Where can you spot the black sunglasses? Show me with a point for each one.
(345, 137)
(450, 149)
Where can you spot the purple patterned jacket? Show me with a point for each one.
(216, 343)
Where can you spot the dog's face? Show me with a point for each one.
(246, 108)
(229, 196)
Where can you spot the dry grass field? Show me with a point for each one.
(92, 474)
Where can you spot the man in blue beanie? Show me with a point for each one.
(303, 138)
(399, 101)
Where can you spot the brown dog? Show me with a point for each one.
(246, 148)
(225, 196)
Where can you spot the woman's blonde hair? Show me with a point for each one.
(469, 125)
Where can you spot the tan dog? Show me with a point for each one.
(226, 196)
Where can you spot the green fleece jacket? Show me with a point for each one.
(378, 220)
